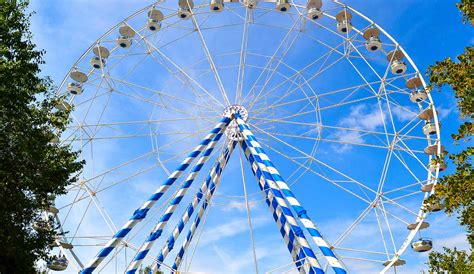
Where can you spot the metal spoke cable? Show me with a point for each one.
(310, 226)
(197, 220)
(249, 218)
(292, 234)
(140, 213)
(243, 56)
(158, 230)
(289, 227)
(209, 58)
(210, 184)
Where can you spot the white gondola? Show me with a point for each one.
(427, 187)
(124, 42)
(57, 263)
(398, 262)
(74, 88)
(66, 245)
(184, 13)
(63, 106)
(40, 226)
(442, 166)
(426, 114)
(344, 24)
(153, 25)
(101, 52)
(97, 62)
(54, 140)
(414, 82)
(418, 95)
(126, 31)
(422, 226)
(429, 129)
(53, 210)
(314, 13)
(282, 5)
(373, 42)
(434, 208)
(217, 5)
(155, 15)
(78, 76)
(314, 9)
(422, 245)
(185, 7)
(395, 54)
(398, 67)
(433, 149)
(250, 4)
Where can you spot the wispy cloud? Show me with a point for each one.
(362, 116)
(232, 228)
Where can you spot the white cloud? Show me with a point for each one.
(232, 228)
(444, 112)
(237, 205)
(403, 115)
(458, 241)
(364, 117)
(236, 263)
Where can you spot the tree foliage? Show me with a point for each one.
(31, 167)
(454, 261)
(467, 9)
(456, 190)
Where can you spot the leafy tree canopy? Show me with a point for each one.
(456, 191)
(32, 168)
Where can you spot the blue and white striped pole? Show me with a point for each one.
(303, 256)
(214, 177)
(323, 245)
(158, 230)
(210, 192)
(140, 213)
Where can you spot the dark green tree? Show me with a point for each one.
(456, 191)
(148, 270)
(32, 168)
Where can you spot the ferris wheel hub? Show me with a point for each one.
(232, 132)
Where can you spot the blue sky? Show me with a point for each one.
(428, 31)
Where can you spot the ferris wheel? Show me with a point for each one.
(256, 136)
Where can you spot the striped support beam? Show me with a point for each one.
(158, 230)
(140, 213)
(210, 192)
(303, 256)
(214, 176)
(310, 226)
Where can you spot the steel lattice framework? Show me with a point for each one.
(278, 196)
(342, 115)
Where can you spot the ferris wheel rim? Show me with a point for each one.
(430, 178)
